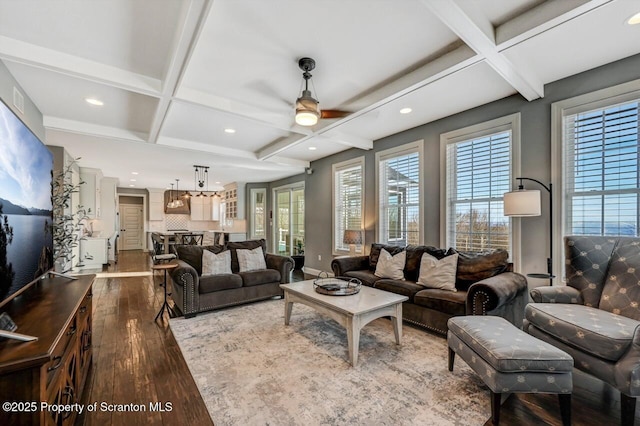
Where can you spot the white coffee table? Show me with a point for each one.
(352, 312)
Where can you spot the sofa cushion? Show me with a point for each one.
(591, 330)
(216, 264)
(374, 254)
(368, 278)
(621, 293)
(211, 283)
(445, 301)
(404, 288)
(438, 273)
(248, 245)
(391, 266)
(193, 254)
(473, 267)
(264, 276)
(251, 260)
(414, 257)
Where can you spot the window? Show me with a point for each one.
(288, 228)
(600, 171)
(594, 154)
(479, 169)
(399, 189)
(348, 201)
(258, 209)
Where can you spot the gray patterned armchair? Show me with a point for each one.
(596, 317)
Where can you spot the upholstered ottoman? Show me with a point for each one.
(509, 360)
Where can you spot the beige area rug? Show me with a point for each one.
(251, 369)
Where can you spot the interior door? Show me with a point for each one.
(131, 227)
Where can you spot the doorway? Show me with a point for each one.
(131, 213)
(289, 220)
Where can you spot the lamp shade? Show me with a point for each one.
(307, 111)
(522, 203)
(352, 237)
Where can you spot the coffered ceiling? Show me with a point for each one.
(174, 74)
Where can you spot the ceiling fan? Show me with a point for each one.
(307, 107)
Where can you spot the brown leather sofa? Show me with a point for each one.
(485, 285)
(193, 293)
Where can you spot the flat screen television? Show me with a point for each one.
(26, 240)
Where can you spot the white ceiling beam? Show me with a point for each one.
(240, 158)
(542, 18)
(475, 35)
(185, 41)
(279, 146)
(348, 140)
(84, 128)
(74, 66)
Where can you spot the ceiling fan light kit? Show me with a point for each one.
(307, 108)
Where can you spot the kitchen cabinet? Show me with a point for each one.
(90, 191)
(94, 252)
(201, 208)
(156, 204)
(234, 199)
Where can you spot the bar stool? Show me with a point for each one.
(165, 305)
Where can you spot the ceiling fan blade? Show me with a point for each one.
(333, 113)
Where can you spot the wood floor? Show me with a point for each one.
(137, 360)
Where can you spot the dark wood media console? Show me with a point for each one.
(52, 369)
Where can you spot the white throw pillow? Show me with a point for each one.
(216, 264)
(391, 266)
(436, 273)
(251, 260)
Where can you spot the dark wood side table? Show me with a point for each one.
(165, 305)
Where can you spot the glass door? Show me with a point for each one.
(289, 220)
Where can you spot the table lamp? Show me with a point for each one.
(353, 238)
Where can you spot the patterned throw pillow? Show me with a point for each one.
(251, 260)
(391, 266)
(216, 264)
(436, 273)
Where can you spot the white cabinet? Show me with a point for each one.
(201, 208)
(234, 199)
(94, 252)
(156, 204)
(90, 191)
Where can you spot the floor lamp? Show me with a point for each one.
(526, 203)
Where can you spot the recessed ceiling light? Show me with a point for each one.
(132, 180)
(134, 173)
(94, 101)
(635, 19)
(132, 185)
(312, 148)
(405, 110)
(229, 130)
(218, 183)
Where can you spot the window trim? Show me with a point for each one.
(252, 208)
(409, 148)
(509, 122)
(588, 101)
(336, 168)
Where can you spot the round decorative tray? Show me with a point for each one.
(337, 286)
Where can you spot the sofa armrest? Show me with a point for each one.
(186, 280)
(492, 293)
(283, 264)
(556, 294)
(341, 265)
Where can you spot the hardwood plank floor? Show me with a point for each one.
(137, 360)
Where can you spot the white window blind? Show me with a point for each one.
(399, 199)
(600, 171)
(348, 202)
(478, 175)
